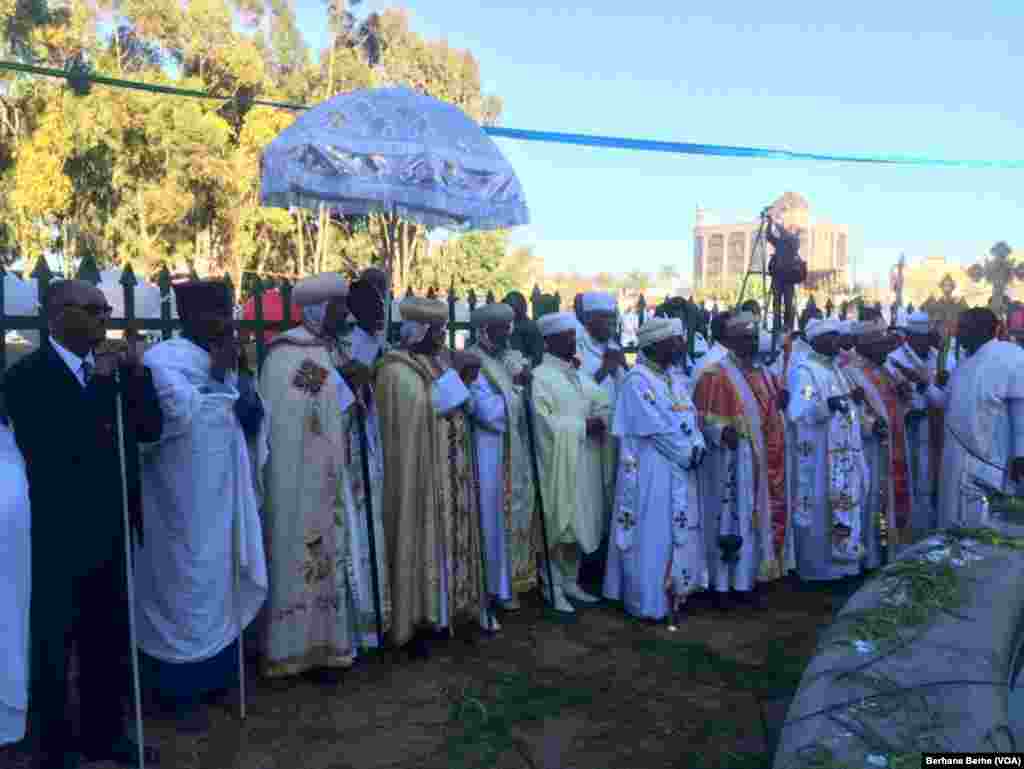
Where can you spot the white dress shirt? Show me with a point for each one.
(74, 362)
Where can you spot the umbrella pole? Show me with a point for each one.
(538, 494)
(371, 532)
(136, 688)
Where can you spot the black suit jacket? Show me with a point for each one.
(68, 436)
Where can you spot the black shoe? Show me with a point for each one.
(124, 751)
(419, 647)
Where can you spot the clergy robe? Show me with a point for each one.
(15, 588)
(984, 430)
(657, 543)
(575, 472)
(366, 349)
(923, 435)
(201, 513)
(830, 474)
(309, 620)
(707, 360)
(591, 353)
(507, 497)
(431, 519)
(886, 521)
(744, 490)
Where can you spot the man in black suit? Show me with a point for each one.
(61, 400)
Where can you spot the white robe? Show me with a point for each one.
(591, 353)
(15, 589)
(918, 435)
(657, 539)
(733, 487)
(490, 416)
(197, 487)
(829, 483)
(573, 468)
(881, 490)
(984, 430)
(307, 518)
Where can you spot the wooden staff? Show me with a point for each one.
(539, 495)
(136, 688)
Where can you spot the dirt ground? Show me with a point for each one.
(601, 691)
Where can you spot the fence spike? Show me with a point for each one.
(229, 284)
(88, 271)
(490, 297)
(42, 271)
(192, 274)
(471, 299)
(163, 280)
(128, 278)
(535, 295)
(432, 293)
(408, 291)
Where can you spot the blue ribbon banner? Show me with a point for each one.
(686, 148)
(552, 137)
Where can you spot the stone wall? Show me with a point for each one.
(941, 685)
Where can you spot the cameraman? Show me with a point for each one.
(784, 268)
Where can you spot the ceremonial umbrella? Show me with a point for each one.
(393, 150)
(398, 152)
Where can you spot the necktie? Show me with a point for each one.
(86, 371)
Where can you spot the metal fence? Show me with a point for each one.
(166, 325)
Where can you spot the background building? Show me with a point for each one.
(722, 252)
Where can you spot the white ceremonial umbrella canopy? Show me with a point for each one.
(393, 150)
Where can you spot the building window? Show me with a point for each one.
(698, 260)
(737, 254)
(716, 258)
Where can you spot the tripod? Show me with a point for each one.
(770, 298)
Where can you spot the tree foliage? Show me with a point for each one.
(156, 179)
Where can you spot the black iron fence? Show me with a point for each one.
(254, 329)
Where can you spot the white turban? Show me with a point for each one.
(496, 312)
(918, 323)
(742, 322)
(314, 294)
(418, 315)
(818, 328)
(657, 330)
(319, 289)
(598, 301)
(556, 323)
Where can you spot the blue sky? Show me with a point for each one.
(938, 79)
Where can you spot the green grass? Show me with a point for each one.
(481, 722)
(781, 671)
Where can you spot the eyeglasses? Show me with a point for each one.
(96, 310)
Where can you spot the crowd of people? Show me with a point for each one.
(354, 494)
